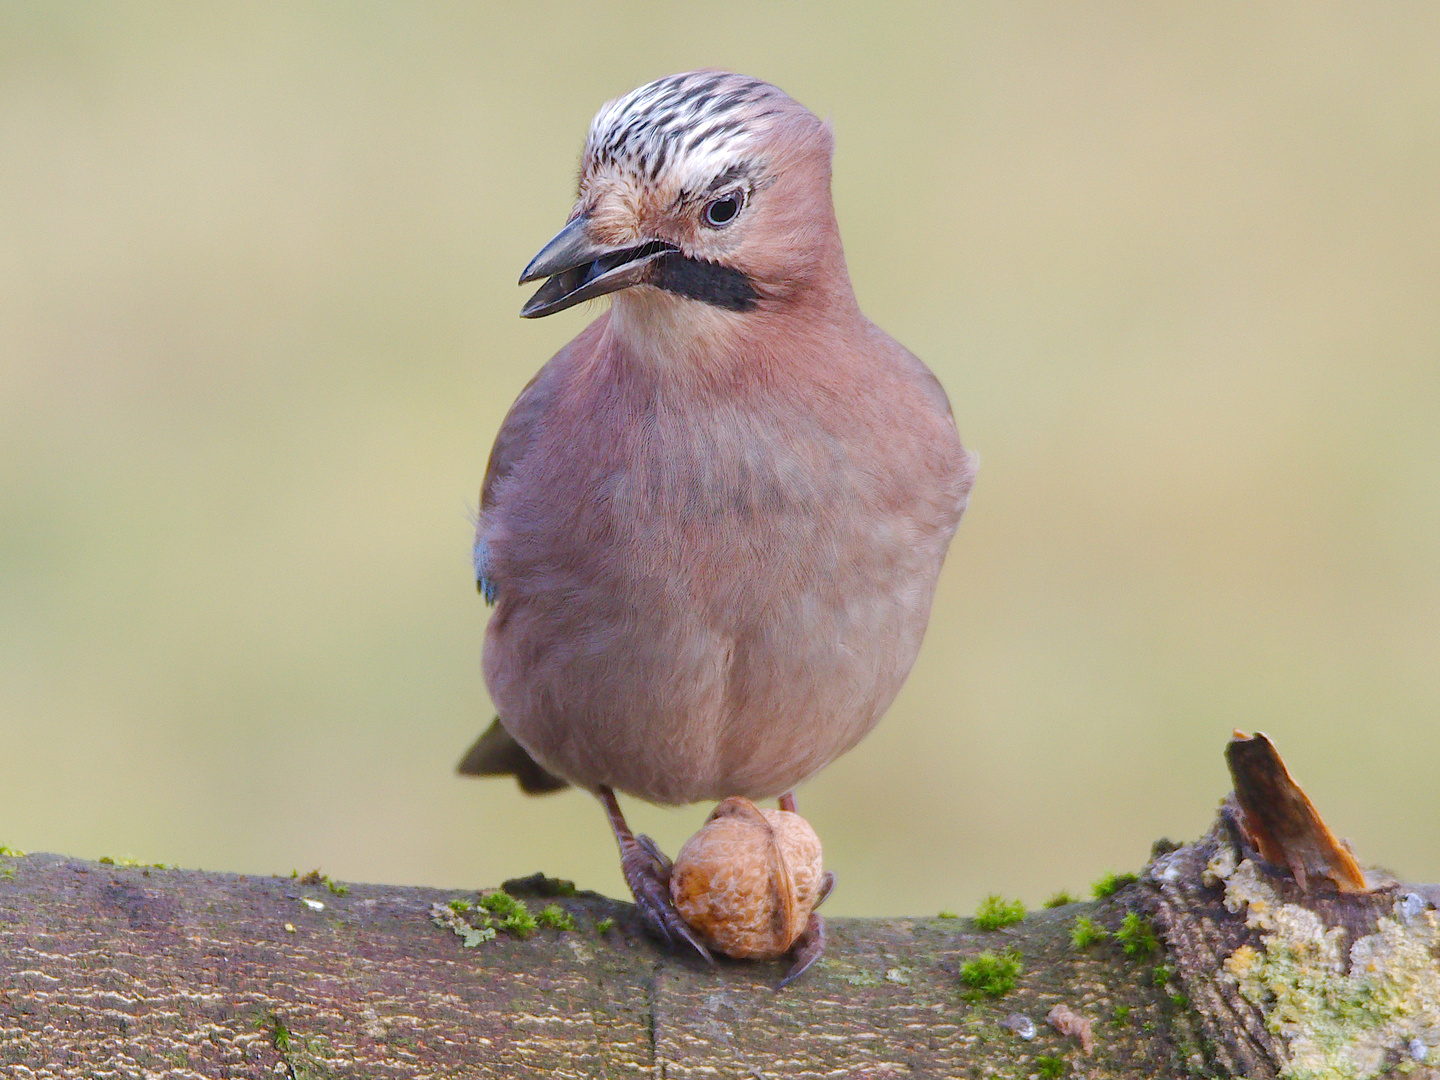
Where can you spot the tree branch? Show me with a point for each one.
(162, 972)
(157, 972)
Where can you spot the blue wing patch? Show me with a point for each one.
(484, 583)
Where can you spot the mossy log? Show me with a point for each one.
(157, 972)
(142, 971)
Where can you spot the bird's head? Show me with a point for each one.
(708, 187)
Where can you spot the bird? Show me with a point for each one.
(711, 526)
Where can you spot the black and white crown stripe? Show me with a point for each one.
(687, 128)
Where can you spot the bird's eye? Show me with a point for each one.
(722, 211)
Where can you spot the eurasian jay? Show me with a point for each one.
(712, 524)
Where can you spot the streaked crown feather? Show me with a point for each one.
(685, 129)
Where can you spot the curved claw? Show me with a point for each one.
(649, 881)
(827, 886)
(808, 948)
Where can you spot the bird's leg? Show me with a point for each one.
(810, 945)
(647, 873)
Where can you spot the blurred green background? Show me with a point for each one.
(1177, 265)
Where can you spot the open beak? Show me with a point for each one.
(580, 269)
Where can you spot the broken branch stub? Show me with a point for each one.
(1281, 822)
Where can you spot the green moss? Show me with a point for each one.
(501, 903)
(948, 915)
(1122, 1013)
(315, 877)
(1163, 974)
(279, 1033)
(603, 926)
(515, 918)
(1060, 899)
(1049, 1068)
(1087, 932)
(556, 917)
(304, 1059)
(475, 923)
(521, 925)
(10, 852)
(1109, 883)
(1136, 937)
(990, 974)
(995, 912)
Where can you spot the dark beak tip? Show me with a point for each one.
(568, 248)
(580, 269)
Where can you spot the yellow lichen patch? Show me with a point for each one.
(1241, 961)
(1338, 1022)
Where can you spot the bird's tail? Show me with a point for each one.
(496, 753)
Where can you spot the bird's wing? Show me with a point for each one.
(517, 434)
(496, 753)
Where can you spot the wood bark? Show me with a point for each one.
(123, 971)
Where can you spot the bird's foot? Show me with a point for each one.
(647, 873)
(810, 945)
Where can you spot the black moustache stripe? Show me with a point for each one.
(723, 286)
